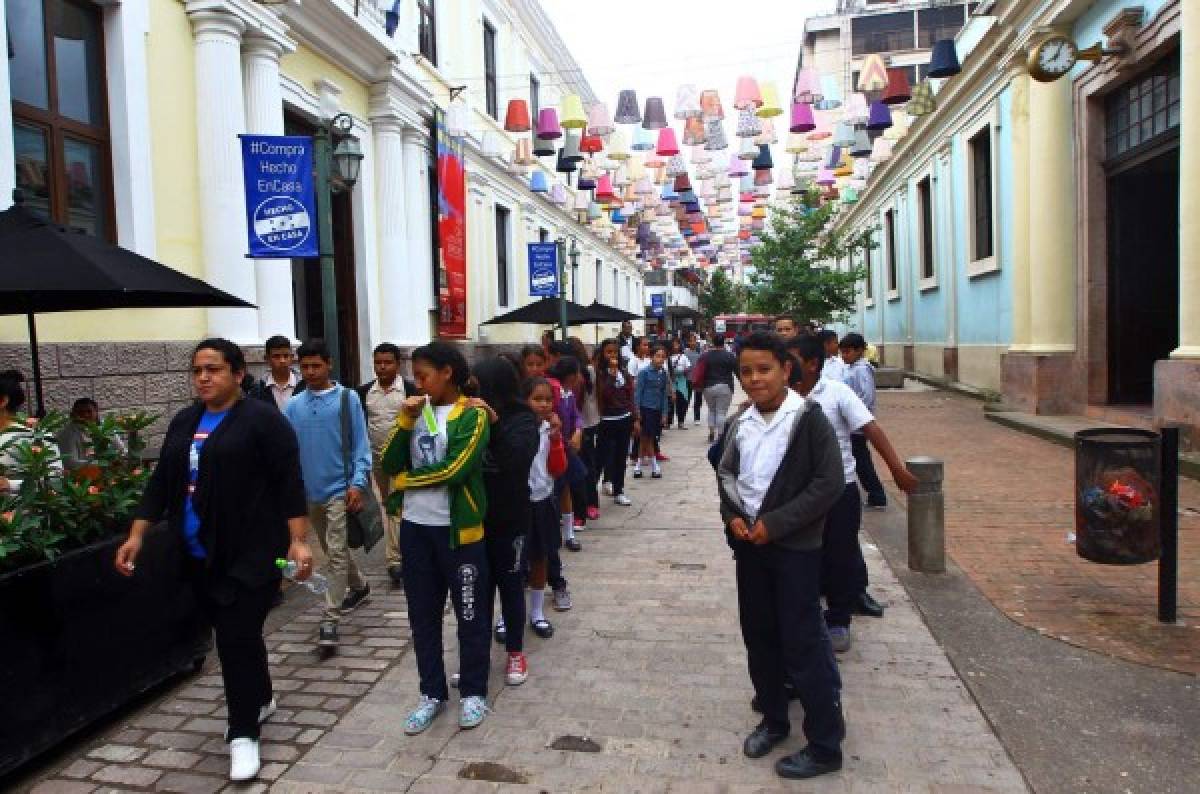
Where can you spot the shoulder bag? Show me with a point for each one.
(364, 528)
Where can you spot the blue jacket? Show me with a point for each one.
(318, 425)
(653, 389)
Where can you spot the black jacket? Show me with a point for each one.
(262, 391)
(511, 449)
(808, 482)
(248, 486)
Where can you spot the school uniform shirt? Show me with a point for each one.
(614, 396)
(429, 506)
(281, 394)
(382, 406)
(317, 419)
(541, 484)
(588, 405)
(846, 413)
(860, 377)
(636, 365)
(833, 369)
(762, 442)
(681, 364)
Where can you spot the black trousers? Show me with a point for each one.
(865, 467)
(843, 569)
(237, 616)
(681, 406)
(589, 455)
(697, 401)
(612, 448)
(506, 563)
(780, 607)
(431, 571)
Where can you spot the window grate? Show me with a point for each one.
(1140, 112)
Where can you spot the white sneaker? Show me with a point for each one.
(243, 759)
(622, 500)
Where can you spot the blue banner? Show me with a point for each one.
(281, 215)
(657, 307)
(543, 270)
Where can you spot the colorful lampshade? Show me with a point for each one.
(770, 106)
(748, 149)
(571, 150)
(687, 102)
(562, 165)
(587, 179)
(538, 182)
(762, 177)
(491, 145)
(643, 140)
(833, 157)
(767, 135)
(831, 93)
(618, 146)
(710, 105)
(667, 144)
(843, 134)
(738, 166)
(899, 127)
(582, 201)
(922, 102)
(880, 117)
(548, 127)
(808, 87)
(825, 177)
(944, 60)
(796, 144)
(862, 143)
(857, 110)
(599, 122)
(573, 117)
(693, 131)
(897, 91)
(591, 144)
(523, 152)
(881, 150)
(802, 117)
(714, 136)
(604, 188)
(874, 74)
(849, 195)
(763, 159)
(558, 194)
(517, 117)
(655, 117)
(544, 147)
(627, 108)
(676, 166)
(748, 124)
(701, 156)
(747, 95)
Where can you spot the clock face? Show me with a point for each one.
(1056, 56)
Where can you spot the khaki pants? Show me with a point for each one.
(391, 524)
(329, 521)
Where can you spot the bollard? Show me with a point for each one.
(926, 517)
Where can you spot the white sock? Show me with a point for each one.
(537, 597)
(654, 466)
(500, 623)
(568, 526)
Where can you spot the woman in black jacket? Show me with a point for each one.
(228, 482)
(511, 449)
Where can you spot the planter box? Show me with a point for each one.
(889, 378)
(80, 641)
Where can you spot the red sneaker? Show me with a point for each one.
(517, 670)
(661, 458)
(593, 514)
(579, 523)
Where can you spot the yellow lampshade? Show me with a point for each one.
(758, 212)
(618, 146)
(797, 143)
(573, 117)
(770, 101)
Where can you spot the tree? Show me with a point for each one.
(722, 296)
(794, 265)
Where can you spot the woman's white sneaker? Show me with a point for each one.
(244, 762)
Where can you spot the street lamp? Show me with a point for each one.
(347, 159)
(561, 250)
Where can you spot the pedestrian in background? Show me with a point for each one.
(693, 353)
(679, 365)
(228, 482)
(614, 397)
(715, 377)
(859, 375)
(589, 509)
(282, 382)
(651, 402)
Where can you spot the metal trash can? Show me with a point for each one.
(1117, 481)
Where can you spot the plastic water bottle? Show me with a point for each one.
(316, 583)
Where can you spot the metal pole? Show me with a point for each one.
(560, 251)
(926, 517)
(323, 150)
(35, 359)
(1168, 562)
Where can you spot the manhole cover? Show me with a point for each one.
(688, 566)
(491, 772)
(576, 744)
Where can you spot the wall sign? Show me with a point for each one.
(452, 232)
(281, 216)
(543, 270)
(657, 306)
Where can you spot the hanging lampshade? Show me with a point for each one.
(833, 157)
(881, 150)
(523, 152)
(748, 124)
(676, 166)
(591, 144)
(747, 95)
(558, 193)
(544, 147)
(944, 60)
(897, 91)
(714, 136)
(693, 131)
(767, 135)
(770, 106)
(802, 117)
(763, 158)
(538, 182)
(899, 127)
(785, 181)
(598, 122)
(581, 202)
(845, 167)
(491, 145)
(831, 93)
(880, 117)
(796, 144)
(548, 127)
(822, 129)
(562, 165)
(710, 105)
(849, 195)
(643, 140)
(604, 188)
(618, 146)
(747, 150)
(458, 117)
(573, 117)
(687, 102)
(857, 111)
(873, 76)
(627, 108)
(763, 177)
(700, 156)
(655, 117)
(571, 150)
(683, 184)
(807, 88)
(621, 177)
(862, 143)
(587, 179)
(667, 144)
(922, 102)
(517, 117)
(825, 177)
(843, 134)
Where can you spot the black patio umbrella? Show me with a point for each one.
(601, 313)
(543, 312)
(46, 268)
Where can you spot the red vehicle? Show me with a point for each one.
(730, 326)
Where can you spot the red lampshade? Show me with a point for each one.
(604, 188)
(591, 144)
(667, 144)
(897, 91)
(517, 118)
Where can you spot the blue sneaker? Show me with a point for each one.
(423, 715)
(474, 709)
(840, 637)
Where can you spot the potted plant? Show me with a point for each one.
(80, 640)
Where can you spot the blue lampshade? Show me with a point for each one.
(763, 162)
(668, 192)
(944, 60)
(880, 116)
(538, 182)
(831, 90)
(644, 140)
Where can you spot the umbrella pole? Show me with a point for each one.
(37, 366)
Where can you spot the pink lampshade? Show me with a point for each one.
(747, 94)
(821, 130)
(825, 177)
(599, 122)
(667, 145)
(548, 127)
(802, 117)
(808, 86)
(738, 166)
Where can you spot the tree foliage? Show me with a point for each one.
(722, 296)
(794, 265)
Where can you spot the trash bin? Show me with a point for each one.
(1117, 495)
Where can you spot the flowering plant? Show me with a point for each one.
(51, 512)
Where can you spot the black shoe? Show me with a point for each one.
(396, 574)
(327, 636)
(573, 544)
(637, 474)
(866, 605)
(501, 633)
(356, 598)
(761, 741)
(801, 764)
(542, 628)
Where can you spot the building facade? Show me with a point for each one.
(121, 119)
(1035, 238)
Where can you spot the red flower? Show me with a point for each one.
(8, 516)
(93, 490)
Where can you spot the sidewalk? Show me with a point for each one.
(644, 683)
(1009, 507)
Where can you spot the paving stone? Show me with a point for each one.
(176, 740)
(56, 786)
(80, 768)
(190, 783)
(127, 775)
(172, 759)
(312, 717)
(118, 753)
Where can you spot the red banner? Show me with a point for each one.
(452, 233)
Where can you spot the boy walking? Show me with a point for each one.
(382, 400)
(779, 474)
(316, 415)
(859, 375)
(281, 383)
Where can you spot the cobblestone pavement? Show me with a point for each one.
(644, 682)
(1009, 507)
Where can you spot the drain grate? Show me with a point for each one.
(491, 772)
(575, 744)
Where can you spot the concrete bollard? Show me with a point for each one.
(926, 517)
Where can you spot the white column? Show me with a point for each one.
(1189, 189)
(398, 300)
(220, 116)
(264, 115)
(8, 168)
(419, 296)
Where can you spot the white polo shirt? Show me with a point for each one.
(761, 444)
(834, 369)
(846, 412)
